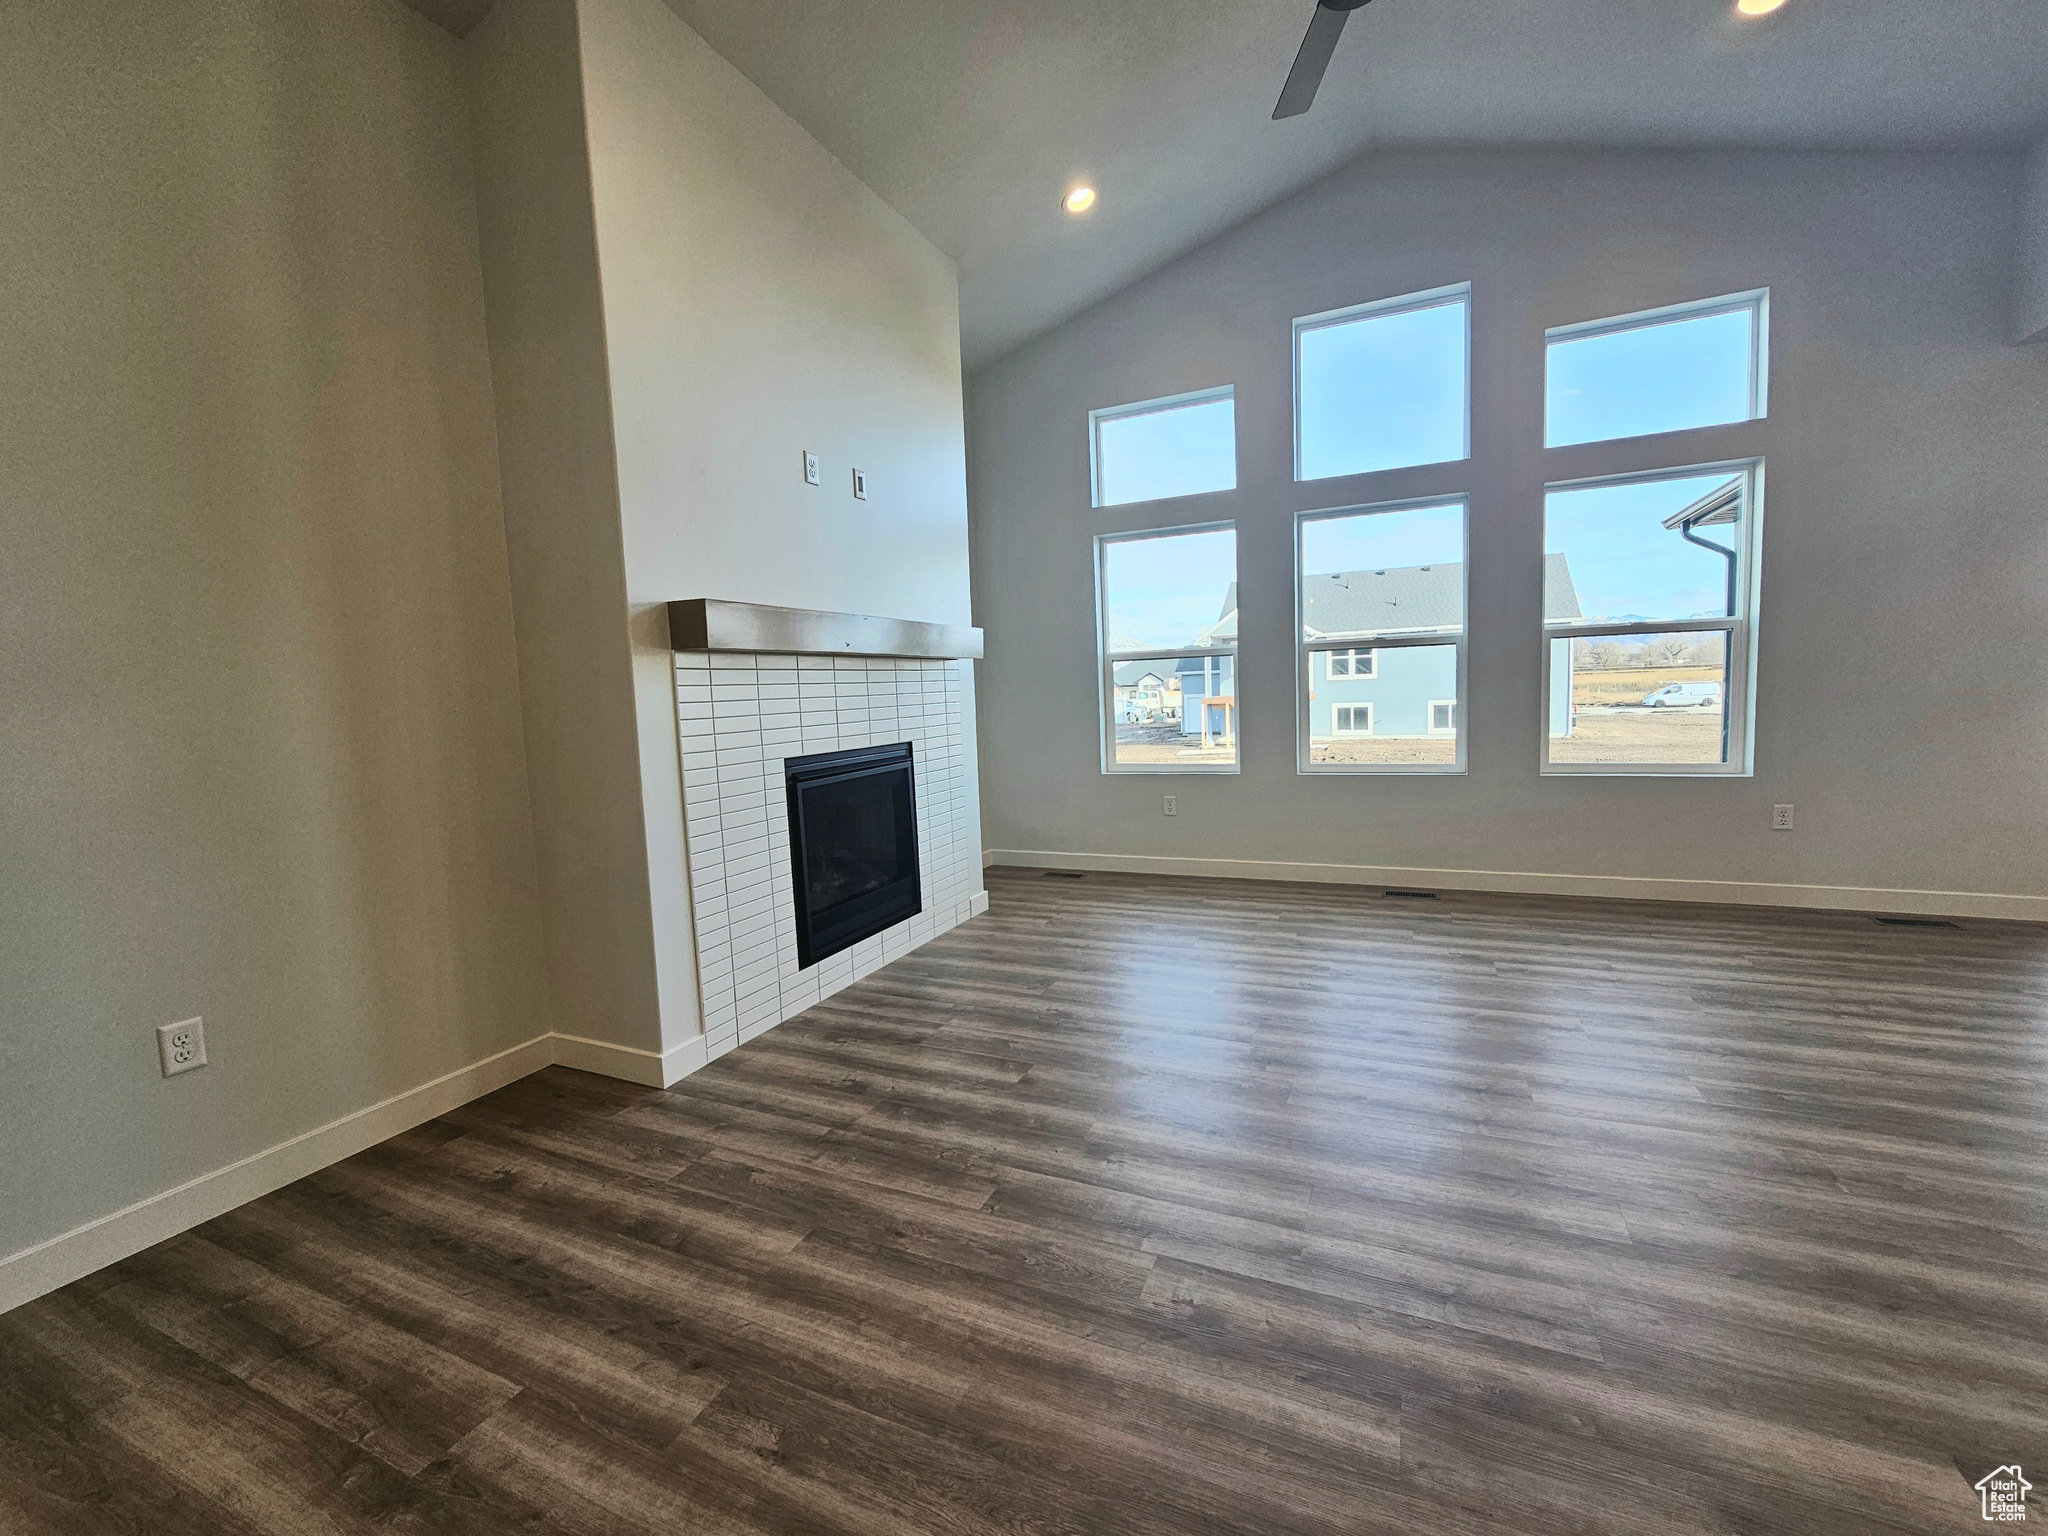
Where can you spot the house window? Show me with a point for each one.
(1384, 586)
(1668, 370)
(1649, 582)
(1383, 385)
(1167, 602)
(1185, 445)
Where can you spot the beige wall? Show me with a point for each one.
(262, 756)
(1902, 706)
(758, 302)
(2030, 291)
(562, 523)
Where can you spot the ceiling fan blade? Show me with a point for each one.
(1299, 93)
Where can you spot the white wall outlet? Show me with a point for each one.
(181, 1047)
(860, 486)
(811, 476)
(1781, 818)
(1172, 806)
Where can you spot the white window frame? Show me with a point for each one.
(1352, 729)
(1372, 664)
(1448, 730)
(1738, 686)
(1108, 662)
(1430, 298)
(1306, 650)
(1147, 408)
(1757, 301)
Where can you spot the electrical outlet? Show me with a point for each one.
(811, 476)
(181, 1047)
(1781, 818)
(860, 486)
(1172, 806)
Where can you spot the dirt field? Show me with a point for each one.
(1642, 736)
(1164, 744)
(1611, 730)
(1387, 749)
(1633, 685)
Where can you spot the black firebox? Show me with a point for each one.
(852, 846)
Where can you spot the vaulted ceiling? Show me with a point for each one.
(972, 116)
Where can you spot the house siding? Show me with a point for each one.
(1405, 682)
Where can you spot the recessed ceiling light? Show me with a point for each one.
(1082, 198)
(1757, 7)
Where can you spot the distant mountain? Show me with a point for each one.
(1640, 618)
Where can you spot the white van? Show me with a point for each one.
(1684, 696)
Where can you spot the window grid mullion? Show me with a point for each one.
(1384, 642)
(1642, 627)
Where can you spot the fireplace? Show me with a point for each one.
(852, 846)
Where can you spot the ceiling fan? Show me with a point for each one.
(1324, 28)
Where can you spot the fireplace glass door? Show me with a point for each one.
(853, 846)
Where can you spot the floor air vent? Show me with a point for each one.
(1915, 922)
(1411, 895)
(1062, 874)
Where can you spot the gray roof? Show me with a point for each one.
(1723, 504)
(1416, 597)
(1405, 599)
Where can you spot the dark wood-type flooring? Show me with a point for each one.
(1148, 1207)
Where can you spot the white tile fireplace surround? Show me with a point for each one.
(739, 715)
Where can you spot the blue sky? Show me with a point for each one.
(1163, 592)
(1389, 390)
(1655, 378)
(1381, 541)
(1383, 391)
(1181, 451)
(1624, 561)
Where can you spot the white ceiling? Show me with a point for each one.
(972, 116)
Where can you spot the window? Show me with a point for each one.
(1167, 602)
(1648, 585)
(1694, 365)
(1383, 386)
(1393, 576)
(1183, 446)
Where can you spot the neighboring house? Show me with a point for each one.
(1147, 692)
(1403, 691)
(1407, 691)
(1211, 677)
(1170, 690)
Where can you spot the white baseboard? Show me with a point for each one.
(69, 1256)
(1842, 898)
(977, 904)
(653, 1069)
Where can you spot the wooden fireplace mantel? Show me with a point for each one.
(713, 624)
